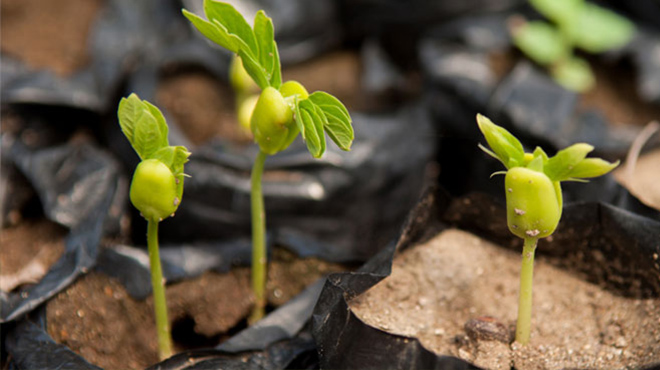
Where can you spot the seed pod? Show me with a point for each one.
(272, 121)
(533, 203)
(154, 190)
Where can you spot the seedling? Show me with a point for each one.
(282, 111)
(156, 190)
(534, 198)
(577, 24)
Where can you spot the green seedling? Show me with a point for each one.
(282, 111)
(576, 24)
(533, 197)
(156, 190)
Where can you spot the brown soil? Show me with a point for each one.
(644, 180)
(97, 319)
(29, 249)
(48, 34)
(436, 288)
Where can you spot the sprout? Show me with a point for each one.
(156, 190)
(281, 112)
(534, 198)
(576, 24)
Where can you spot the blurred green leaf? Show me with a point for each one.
(598, 29)
(541, 42)
(574, 74)
(559, 11)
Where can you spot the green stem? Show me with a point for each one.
(258, 240)
(158, 285)
(524, 324)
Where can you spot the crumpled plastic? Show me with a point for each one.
(455, 60)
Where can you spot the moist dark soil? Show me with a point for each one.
(97, 319)
(437, 290)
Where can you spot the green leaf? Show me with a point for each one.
(559, 11)
(559, 167)
(162, 125)
(143, 125)
(591, 167)
(574, 74)
(254, 69)
(173, 157)
(265, 36)
(214, 32)
(312, 127)
(276, 76)
(338, 121)
(233, 21)
(505, 146)
(598, 29)
(541, 42)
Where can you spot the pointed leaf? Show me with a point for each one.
(254, 69)
(213, 32)
(559, 167)
(311, 137)
(233, 21)
(508, 149)
(276, 75)
(162, 125)
(313, 128)
(264, 34)
(338, 121)
(591, 167)
(147, 136)
(128, 112)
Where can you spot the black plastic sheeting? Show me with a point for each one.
(77, 185)
(280, 340)
(455, 58)
(627, 240)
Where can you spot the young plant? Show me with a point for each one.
(534, 198)
(245, 90)
(576, 24)
(156, 190)
(282, 111)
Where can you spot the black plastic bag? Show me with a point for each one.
(627, 240)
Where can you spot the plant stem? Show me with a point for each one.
(524, 324)
(158, 285)
(258, 240)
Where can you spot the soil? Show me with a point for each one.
(435, 289)
(29, 249)
(48, 34)
(97, 319)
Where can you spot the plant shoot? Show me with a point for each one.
(280, 113)
(156, 190)
(576, 24)
(533, 197)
